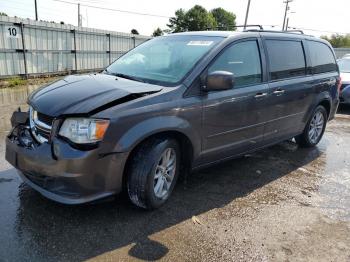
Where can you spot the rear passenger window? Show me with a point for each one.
(322, 58)
(286, 59)
(241, 59)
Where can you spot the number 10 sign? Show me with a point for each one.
(13, 32)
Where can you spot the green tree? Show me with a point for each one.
(157, 32)
(134, 32)
(178, 22)
(195, 19)
(225, 20)
(198, 18)
(3, 14)
(337, 40)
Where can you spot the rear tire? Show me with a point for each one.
(314, 129)
(153, 172)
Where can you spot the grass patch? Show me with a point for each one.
(12, 82)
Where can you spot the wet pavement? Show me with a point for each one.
(279, 204)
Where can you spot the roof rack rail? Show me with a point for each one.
(245, 26)
(295, 31)
(234, 27)
(275, 31)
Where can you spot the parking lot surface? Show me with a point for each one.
(283, 203)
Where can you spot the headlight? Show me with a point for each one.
(84, 130)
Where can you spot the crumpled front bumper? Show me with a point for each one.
(65, 174)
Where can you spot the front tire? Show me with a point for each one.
(153, 172)
(314, 129)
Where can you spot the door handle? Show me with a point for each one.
(279, 92)
(260, 95)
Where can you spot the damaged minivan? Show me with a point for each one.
(173, 104)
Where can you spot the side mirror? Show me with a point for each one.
(219, 80)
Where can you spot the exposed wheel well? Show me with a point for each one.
(186, 148)
(327, 105)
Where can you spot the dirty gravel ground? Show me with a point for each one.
(280, 204)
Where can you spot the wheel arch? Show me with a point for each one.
(186, 148)
(161, 127)
(327, 105)
(323, 99)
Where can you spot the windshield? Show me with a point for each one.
(163, 60)
(344, 65)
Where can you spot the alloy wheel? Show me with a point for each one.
(164, 173)
(316, 127)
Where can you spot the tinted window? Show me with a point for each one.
(286, 59)
(241, 59)
(322, 58)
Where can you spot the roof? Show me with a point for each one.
(266, 33)
(210, 33)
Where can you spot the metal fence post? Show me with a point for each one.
(109, 48)
(24, 51)
(133, 38)
(75, 50)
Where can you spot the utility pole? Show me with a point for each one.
(287, 23)
(36, 11)
(79, 17)
(285, 12)
(246, 15)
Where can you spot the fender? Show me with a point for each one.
(323, 96)
(156, 125)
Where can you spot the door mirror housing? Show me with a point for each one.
(219, 80)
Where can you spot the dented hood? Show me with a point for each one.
(84, 94)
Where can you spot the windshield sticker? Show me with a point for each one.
(200, 43)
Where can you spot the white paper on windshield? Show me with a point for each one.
(200, 43)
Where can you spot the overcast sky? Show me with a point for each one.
(323, 15)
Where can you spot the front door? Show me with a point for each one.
(233, 120)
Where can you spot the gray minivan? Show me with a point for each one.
(169, 106)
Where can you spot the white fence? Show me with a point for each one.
(30, 47)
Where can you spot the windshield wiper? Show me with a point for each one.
(127, 77)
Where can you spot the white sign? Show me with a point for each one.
(13, 32)
(200, 43)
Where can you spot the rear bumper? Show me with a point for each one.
(71, 176)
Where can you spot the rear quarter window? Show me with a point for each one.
(322, 58)
(286, 58)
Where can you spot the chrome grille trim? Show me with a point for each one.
(38, 126)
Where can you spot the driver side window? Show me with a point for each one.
(243, 61)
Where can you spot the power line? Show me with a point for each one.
(112, 9)
(14, 4)
(320, 31)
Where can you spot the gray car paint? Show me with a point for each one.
(247, 124)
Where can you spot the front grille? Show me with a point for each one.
(42, 132)
(40, 125)
(45, 119)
